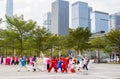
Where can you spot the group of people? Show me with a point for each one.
(13, 60)
(65, 64)
(61, 64)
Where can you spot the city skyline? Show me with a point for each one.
(36, 9)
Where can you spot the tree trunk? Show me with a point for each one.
(21, 46)
(38, 50)
(110, 57)
(6, 52)
(51, 52)
(30, 51)
(98, 56)
(95, 57)
(119, 54)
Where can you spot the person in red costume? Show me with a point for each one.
(53, 65)
(65, 65)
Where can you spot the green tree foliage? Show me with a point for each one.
(78, 38)
(12, 38)
(40, 36)
(52, 42)
(98, 43)
(108, 49)
(1, 41)
(69, 41)
(20, 27)
(114, 38)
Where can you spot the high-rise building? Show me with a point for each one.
(99, 22)
(115, 21)
(47, 21)
(60, 17)
(80, 15)
(9, 8)
(89, 21)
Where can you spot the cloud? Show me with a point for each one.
(35, 9)
(2, 10)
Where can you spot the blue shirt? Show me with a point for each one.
(23, 63)
(60, 63)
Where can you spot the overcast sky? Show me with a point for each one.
(35, 9)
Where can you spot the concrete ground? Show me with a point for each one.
(96, 71)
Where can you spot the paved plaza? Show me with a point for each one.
(96, 71)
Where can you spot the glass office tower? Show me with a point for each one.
(9, 8)
(99, 22)
(47, 21)
(60, 17)
(115, 21)
(80, 15)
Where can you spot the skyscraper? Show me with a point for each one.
(60, 17)
(99, 22)
(115, 21)
(9, 8)
(47, 21)
(80, 14)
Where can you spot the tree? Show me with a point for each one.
(109, 50)
(52, 42)
(69, 40)
(1, 40)
(114, 38)
(39, 36)
(80, 38)
(21, 27)
(98, 43)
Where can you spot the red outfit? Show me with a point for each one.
(8, 61)
(53, 65)
(75, 61)
(65, 65)
(72, 70)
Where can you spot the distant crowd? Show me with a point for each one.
(62, 63)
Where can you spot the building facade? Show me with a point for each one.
(80, 14)
(60, 17)
(9, 8)
(47, 21)
(115, 21)
(99, 22)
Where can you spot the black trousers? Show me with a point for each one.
(48, 66)
(13, 62)
(85, 66)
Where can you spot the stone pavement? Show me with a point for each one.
(96, 71)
